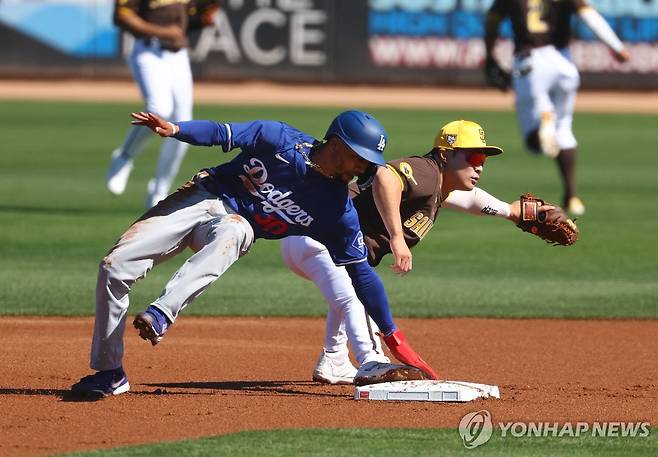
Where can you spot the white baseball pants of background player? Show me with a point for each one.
(191, 217)
(546, 81)
(165, 81)
(347, 319)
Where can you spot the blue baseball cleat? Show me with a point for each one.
(152, 325)
(103, 383)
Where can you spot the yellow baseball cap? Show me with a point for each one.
(464, 135)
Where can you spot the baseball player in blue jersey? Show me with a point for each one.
(283, 182)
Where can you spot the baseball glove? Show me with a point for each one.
(552, 226)
(495, 76)
(201, 13)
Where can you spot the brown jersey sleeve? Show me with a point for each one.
(420, 180)
(126, 6)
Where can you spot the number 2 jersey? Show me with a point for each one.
(273, 185)
(420, 178)
(538, 23)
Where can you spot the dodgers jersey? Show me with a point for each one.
(272, 184)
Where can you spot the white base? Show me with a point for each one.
(452, 391)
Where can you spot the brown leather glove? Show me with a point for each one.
(552, 226)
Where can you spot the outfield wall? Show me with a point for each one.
(327, 41)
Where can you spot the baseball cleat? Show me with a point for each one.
(334, 368)
(103, 384)
(119, 172)
(575, 206)
(378, 372)
(152, 325)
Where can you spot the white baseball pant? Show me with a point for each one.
(546, 81)
(165, 81)
(190, 217)
(346, 317)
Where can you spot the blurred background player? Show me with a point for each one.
(160, 64)
(544, 78)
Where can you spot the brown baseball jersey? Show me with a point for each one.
(538, 22)
(421, 199)
(159, 12)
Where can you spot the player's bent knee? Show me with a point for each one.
(233, 234)
(111, 279)
(112, 270)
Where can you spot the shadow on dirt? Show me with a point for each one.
(300, 388)
(64, 395)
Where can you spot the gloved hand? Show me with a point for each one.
(548, 222)
(495, 76)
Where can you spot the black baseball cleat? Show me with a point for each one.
(102, 384)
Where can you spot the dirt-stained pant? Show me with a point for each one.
(190, 217)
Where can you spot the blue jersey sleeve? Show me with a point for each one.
(251, 136)
(203, 133)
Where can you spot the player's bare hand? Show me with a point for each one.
(621, 56)
(401, 257)
(154, 122)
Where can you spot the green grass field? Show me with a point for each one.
(58, 221)
(377, 443)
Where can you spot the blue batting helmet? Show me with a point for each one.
(362, 133)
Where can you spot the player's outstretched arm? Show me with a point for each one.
(479, 202)
(599, 27)
(387, 193)
(199, 133)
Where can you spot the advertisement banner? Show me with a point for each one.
(368, 41)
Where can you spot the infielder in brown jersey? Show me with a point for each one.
(544, 78)
(419, 186)
(160, 65)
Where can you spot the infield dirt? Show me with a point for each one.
(343, 96)
(214, 376)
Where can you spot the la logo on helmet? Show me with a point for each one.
(382, 143)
